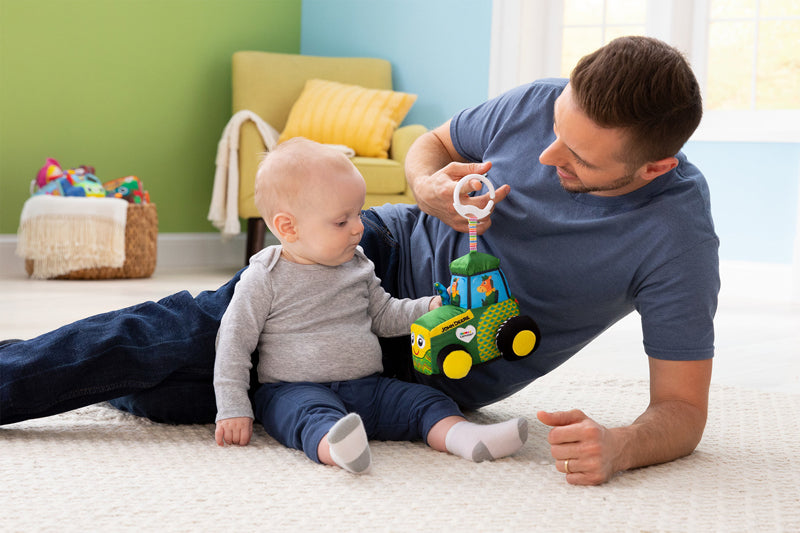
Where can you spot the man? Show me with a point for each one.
(597, 214)
(601, 217)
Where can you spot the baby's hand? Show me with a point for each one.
(234, 431)
(436, 301)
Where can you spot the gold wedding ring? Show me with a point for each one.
(566, 466)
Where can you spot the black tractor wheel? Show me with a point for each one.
(518, 337)
(454, 361)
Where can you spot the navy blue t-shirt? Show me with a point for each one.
(576, 262)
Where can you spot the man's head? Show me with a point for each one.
(311, 196)
(626, 112)
(645, 87)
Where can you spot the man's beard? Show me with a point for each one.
(577, 186)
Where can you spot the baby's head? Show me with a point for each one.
(310, 196)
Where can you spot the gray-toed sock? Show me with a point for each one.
(349, 445)
(478, 442)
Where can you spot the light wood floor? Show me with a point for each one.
(757, 324)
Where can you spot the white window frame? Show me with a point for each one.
(526, 45)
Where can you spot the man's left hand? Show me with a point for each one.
(583, 449)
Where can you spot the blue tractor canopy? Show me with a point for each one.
(477, 281)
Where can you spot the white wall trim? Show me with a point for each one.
(778, 126)
(796, 255)
(207, 251)
(748, 280)
(175, 251)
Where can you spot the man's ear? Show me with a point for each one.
(285, 228)
(654, 169)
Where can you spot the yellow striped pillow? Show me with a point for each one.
(336, 113)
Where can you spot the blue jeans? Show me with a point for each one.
(155, 359)
(298, 415)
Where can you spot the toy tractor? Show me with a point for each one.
(479, 320)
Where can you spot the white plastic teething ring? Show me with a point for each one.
(472, 211)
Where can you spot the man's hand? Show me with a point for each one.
(433, 167)
(589, 447)
(435, 194)
(670, 427)
(234, 431)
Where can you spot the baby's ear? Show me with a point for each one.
(284, 227)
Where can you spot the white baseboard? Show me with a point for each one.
(749, 280)
(175, 250)
(779, 282)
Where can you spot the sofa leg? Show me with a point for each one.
(256, 231)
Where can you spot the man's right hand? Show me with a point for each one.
(434, 194)
(433, 167)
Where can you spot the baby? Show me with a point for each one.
(313, 309)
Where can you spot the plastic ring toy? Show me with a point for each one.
(471, 211)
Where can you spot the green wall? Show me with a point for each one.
(129, 86)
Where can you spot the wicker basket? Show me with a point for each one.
(141, 245)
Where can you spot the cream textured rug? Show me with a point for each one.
(96, 469)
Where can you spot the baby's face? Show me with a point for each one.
(329, 222)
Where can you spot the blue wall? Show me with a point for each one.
(754, 194)
(439, 49)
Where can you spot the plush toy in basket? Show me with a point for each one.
(76, 227)
(480, 319)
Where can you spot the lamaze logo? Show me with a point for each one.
(466, 334)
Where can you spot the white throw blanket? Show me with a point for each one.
(62, 234)
(224, 210)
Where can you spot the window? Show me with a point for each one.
(745, 53)
(753, 56)
(589, 24)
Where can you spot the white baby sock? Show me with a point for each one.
(349, 445)
(478, 442)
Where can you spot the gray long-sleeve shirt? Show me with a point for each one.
(309, 322)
